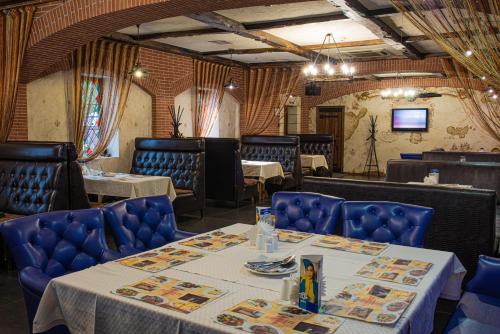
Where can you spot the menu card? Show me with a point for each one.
(351, 245)
(170, 293)
(292, 236)
(262, 316)
(370, 303)
(215, 241)
(392, 269)
(160, 259)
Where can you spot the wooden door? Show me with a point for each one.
(330, 120)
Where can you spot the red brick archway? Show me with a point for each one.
(76, 22)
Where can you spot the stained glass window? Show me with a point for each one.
(93, 88)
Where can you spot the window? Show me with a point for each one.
(292, 125)
(93, 88)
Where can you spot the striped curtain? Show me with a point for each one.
(267, 90)
(15, 26)
(209, 80)
(105, 66)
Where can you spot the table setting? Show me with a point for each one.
(257, 279)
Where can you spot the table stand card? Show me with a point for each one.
(160, 259)
(170, 293)
(370, 303)
(351, 245)
(408, 272)
(292, 236)
(262, 316)
(215, 241)
(311, 282)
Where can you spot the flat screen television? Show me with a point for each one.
(410, 119)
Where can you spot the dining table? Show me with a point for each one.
(128, 185)
(313, 161)
(262, 170)
(84, 302)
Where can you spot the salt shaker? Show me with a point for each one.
(260, 241)
(286, 288)
(269, 244)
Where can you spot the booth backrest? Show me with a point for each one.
(37, 177)
(224, 173)
(481, 175)
(318, 145)
(284, 149)
(183, 160)
(469, 156)
(463, 221)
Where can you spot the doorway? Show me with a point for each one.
(330, 120)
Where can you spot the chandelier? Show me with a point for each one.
(409, 94)
(138, 70)
(313, 71)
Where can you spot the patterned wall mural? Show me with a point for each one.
(449, 127)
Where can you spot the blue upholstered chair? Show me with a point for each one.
(143, 223)
(306, 212)
(478, 312)
(49, 245)
(395, 223)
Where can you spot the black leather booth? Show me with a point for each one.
(284, 149)
(183, 160)
(463, 222)
(455, 156)
(224, 174)
(317, 145)
(482, 175)
(37, 177)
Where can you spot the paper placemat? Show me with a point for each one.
(292, 236)
(351, 245)
(161, 259)
(215, 241)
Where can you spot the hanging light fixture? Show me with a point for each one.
(312, 71)
(138, 71)
(231, 84)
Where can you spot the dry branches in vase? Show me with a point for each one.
(176, 121)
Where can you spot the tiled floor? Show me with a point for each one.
(12, 312)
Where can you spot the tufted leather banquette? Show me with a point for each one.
(52, 244)
(283, 149)
(455, 156)
(142, 224)
(396, 223)
(40, 176)
(316, 144)
(306, 212)
(183, 160)
(224, 173)
(463, 221)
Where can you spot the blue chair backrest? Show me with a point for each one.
(306, 212)
(392, 222)
(57, 242)
(141, 224)
(487, 277)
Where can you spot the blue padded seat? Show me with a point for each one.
(143, 223)
(306, 212)
(392, 222)
(52, 244)
(478, 312)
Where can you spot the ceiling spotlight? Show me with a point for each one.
(495, 96)
(231, 84)
(491, 91)
(468, 53)
(138, 71)
(483, 78)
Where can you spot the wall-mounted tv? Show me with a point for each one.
(410, 119)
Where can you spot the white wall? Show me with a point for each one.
(49, 117)
(227, 123)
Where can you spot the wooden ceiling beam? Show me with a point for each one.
(218, 21)
(355, 10)
(295, 21)
(119, 37)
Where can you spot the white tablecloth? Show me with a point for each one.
(313, 161)
(129, 185)
(262, 169)
(84, 303)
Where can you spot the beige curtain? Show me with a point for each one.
(267, 90)
(101, 81)
(459, 26)
(209, 80)
(480, 107)
(15, 26)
